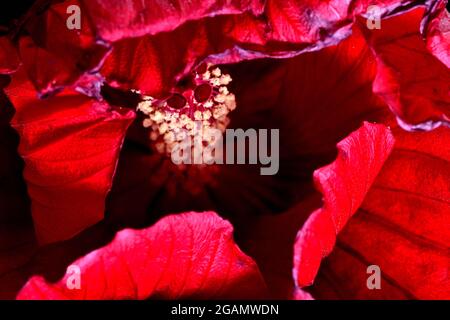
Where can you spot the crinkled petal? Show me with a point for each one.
(224, 31)
(438, 33)
(190, 255)
(413, 82)
(70, 145)
(54, 55)
(118, 20)
(332, 88)
(344, 185)
(402, 227)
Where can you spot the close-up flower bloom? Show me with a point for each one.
(350, 201)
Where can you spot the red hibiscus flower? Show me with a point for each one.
(93, 207)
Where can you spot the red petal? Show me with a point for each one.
(190, 255)
(438, 34)
(412, 81)
(331, 87)
(293, 21)
(149, 64)
(70, 145)
(233, 30)
(54, 55)
(402, 226)
(56, 59)
(130, 18)
(308, 21)
(344, 184)
(321, 22)
(9, 59)
(153, 64)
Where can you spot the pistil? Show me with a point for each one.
(206, 104)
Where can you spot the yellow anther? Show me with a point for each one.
(158, 117)
(145, 107)
(220, 98)
(219, 111)
(198, 115)
(208, 104)
(169, 137)
(147, 123)
(224, 90)
(215, 82)
(206, 75)
(216, 72)
(189, 125)
(225, 79)
(163, 128)
(207, 115)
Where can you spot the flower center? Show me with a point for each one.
(203, 106)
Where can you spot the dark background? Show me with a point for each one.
(11, 10)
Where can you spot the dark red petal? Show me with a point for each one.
(49, 69)
(344, 185)
(70, 145)
(322, 22)
(438, 34)
(190, 255)
(288, 21)
(402, 226)
(315, 99)
(130, 18)
(231, 31)
(9, 59)
(412, 81)
(154, 64)
(54, 55)
(270, 240)
(307, 21)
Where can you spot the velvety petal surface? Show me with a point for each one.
(402, 227)
(438, 33)
(344, 185)
(188, 32)
(190, 255)
(54, 51)
(70, 145)
(413, 82)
